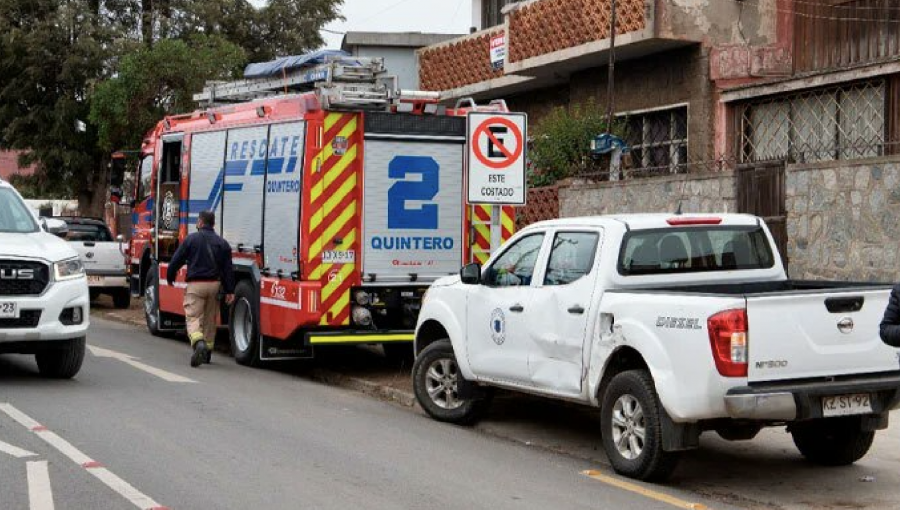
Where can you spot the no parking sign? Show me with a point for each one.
(496, 158)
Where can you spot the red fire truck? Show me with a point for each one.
(342, 199)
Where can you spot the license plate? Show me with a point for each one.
(845, 405)
(95, 280)
(339, 257)
(9, 310)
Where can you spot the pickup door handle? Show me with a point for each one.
(844, 304)
(576, 310)
(517, 308)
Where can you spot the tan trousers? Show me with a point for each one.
(201, 309)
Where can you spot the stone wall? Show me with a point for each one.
(710, 192)
(843, 220)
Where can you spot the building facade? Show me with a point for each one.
(782, 108)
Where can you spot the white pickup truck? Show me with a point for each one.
(103, 258)
(44, 302)
(672, 325)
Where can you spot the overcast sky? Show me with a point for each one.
(440, 16)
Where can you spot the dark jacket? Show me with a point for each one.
(201, 267)
(890, 325)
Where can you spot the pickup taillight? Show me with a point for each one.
(728, 339)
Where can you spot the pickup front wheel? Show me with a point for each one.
(632, 428)
(833, 441)
(436, 383)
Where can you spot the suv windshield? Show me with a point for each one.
(694, 249)
(88, 232)
(14, 214)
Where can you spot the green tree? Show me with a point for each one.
(561, 143)
(157, 81)
(56, 57)
(50, 55)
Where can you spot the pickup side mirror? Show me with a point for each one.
(470, 274)
(59, 228)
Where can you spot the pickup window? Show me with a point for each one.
(89, 233)
(694, 249)
(515, 266)
(571, 258)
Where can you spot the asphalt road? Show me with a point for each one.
(139, 428)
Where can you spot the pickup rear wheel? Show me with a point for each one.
(121, 298)
(632, 428)
(834, 441)
(436, 384)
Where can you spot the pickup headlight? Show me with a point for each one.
(68, 269)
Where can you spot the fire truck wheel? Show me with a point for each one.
(400, 354)
(244, 324)
(151, 306)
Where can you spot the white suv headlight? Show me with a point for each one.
(68, 269)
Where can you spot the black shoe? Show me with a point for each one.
(200, 354)
(208, 359)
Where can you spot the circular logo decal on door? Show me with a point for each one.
(498, 326)
(168, 211)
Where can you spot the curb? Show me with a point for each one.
(380, 391)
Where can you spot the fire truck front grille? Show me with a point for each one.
(16, 282)
(420, 125)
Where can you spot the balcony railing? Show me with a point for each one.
(533, 28)
(459, 62)
(546, 26)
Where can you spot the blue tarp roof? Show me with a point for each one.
(287, 64)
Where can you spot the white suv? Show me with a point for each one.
(44, 299)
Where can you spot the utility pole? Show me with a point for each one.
(611, 79)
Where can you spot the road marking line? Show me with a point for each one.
(642, 491)
(15, 451)
(40, 495)
(133, 361)
(123, 488)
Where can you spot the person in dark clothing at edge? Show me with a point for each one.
(890, 324)
(208, 258)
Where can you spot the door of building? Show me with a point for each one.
(760, 191)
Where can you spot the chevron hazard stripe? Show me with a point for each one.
(335, 209)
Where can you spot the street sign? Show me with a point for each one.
(496, 158)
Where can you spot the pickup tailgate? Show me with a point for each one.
(801, 335)
(100, 256)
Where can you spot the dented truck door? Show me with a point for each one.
(563, 309)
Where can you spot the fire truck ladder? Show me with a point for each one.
(341, 82)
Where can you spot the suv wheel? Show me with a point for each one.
(61, 362)
(632, 428)
(435, 382)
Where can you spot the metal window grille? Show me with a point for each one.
(834, 123)
(658, 141)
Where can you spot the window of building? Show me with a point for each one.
(834, 123)
(658, 140)
(492, 12)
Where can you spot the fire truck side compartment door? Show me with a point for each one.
(245, 177)
(284, 180)
(207, 175)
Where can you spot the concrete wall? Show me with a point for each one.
(400, 62)
(710, 192)
(844, 220)
(716, 22)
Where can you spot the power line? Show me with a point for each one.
(813, 16)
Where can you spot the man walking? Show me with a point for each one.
(208, 258)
